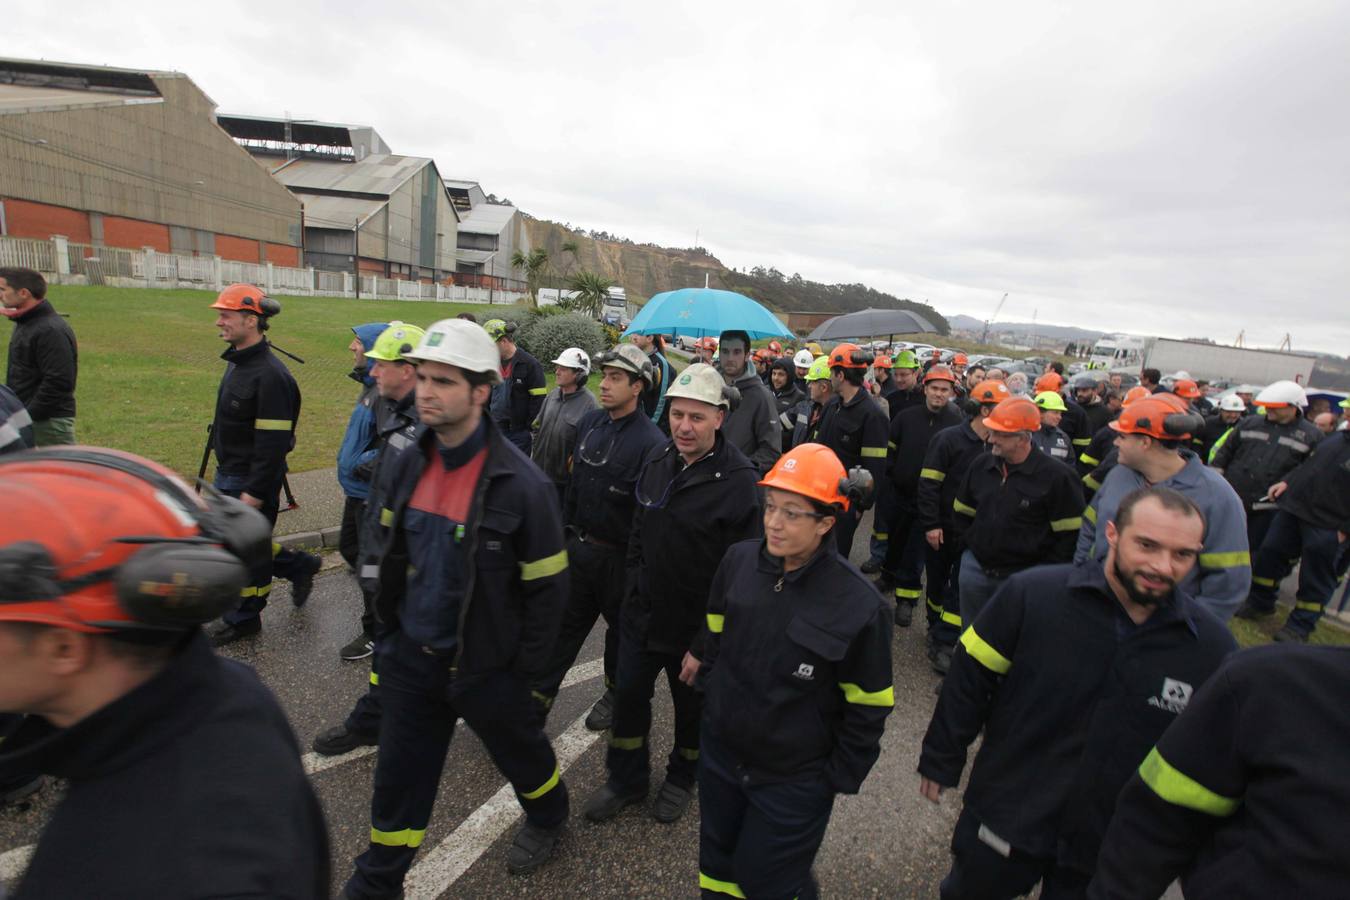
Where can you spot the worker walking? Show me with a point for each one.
(1072, 672)
(1310, 527)
(472, 586)
(183, 778)
(853, 427)
(654, 397)
(1016, 507)
(696, 497)
(257, 409)
(1153, 434)
(611, 444)
(519, 395)
(564, 407)
(796, 670)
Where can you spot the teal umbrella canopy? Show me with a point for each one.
(704, 312)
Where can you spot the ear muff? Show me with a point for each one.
(1183, 424)
(270, 307)
(27, 574)
(179, 586)
(859, 487)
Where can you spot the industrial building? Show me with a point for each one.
(489, 235)
(127, 158)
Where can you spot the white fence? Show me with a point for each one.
(65, 263)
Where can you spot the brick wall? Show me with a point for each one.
(239, 249)
(119, 232)
(26, 219)
(283, 255)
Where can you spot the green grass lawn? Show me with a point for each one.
(1252, 634)
(150, 363)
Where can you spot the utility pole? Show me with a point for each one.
(356, 255)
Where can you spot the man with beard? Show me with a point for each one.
(905, 376)
(1073, 672)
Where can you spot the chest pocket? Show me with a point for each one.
(241, 399)
(496, 540)
(809, 655)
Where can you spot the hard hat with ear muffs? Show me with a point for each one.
(850, 356)
(101, 541)
(1159, 418)
(815, 472)
(248, 298)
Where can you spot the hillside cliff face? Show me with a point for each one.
(642, 270)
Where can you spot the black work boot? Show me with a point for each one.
(1253, 613)
(302, 582)
(532, 847)
(904, 612)
(228, 633)
(601, 716)
(1289, 635)
(338, 740)
(609, 801)
(671, 802)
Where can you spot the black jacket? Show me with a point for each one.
(606, 460)
(898, 401)
(1260, 453)
(16, 426)
(1012, 517)
(43, 363)
(950, 455)
(1103, 441)
(526, 390)
(517, 581)
(686, 518)
(188, 786)
(1071, 695)
(257, 408)
(797, 668)
(1319, 490)
(1098, 414)
(856, 432)
(1215, 428)
(787, 401)
(1074, 423)
(1246, 795)
(910, 434)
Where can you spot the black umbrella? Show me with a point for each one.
(870, 323)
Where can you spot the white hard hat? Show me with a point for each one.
(701, 382)
(1180, 374)
(574, 358)
(803, 359)
(1282, 393)
(459, 343)
(1232, 403)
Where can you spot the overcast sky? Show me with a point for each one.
(1153, 167)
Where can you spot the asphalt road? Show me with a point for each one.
(885, 842)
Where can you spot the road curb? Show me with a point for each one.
(324, 539)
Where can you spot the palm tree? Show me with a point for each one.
(569, 248)
(533, 265)
(592, 289)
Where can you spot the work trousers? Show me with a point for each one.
(629, 758)
(349, 546)
(596, 576)
(365, 715)
(981, 872)
(845, 526)
(882, 516)
(1258, 523)
(757, 840)
(421, 703)
(54, 432)
(944, 592)
(282, 564)
(976, 587)
(1288, 539)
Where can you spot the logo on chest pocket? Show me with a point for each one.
(1173, 697)
(806, 672)
(492, 546)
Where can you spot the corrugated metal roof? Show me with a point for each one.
(474, 256)
(460, 183)
(381, 174)
(338, 212)
(17, 99)
(487, 218)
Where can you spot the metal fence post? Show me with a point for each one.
(62, 245)
(216, 280)
(268, 278)
(148, 256)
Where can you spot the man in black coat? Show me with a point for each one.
(43, 357)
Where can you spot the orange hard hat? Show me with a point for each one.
(1186, 389)
(849, 356)
(1050, 381)
(99, 540)
(708, 343)
(763, 354)
(775, 348)
(1138, 392)
(882, 362)
(247, 298)
(813, 471)
(1158, 417)
(990, 392)
(940, 373)
(960, 359)
(1014, 414)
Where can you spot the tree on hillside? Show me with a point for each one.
(592, 289)
(568, 254)
(533, 265)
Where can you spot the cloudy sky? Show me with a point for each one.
(1153, 167)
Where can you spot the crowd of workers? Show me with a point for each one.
(1077, 550)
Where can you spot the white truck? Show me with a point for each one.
(1213, 362)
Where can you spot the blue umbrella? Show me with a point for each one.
(700, 312)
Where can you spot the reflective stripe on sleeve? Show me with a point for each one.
(1309, 606)
(256, 591)
(983, 653)
(375, 678)
(935, 474)
(730, 888)
(1089, 461)
(408, 837)
(1093, 484)
(543, 568)
(855, 694)
(1264, 582)
(538, 392)
(1071, 524)
(386, 517)
(963, 509)
(272, 424)
(715, 623)
(1229, 560)
(628, 743)
(1179, 789)
(1091, 515)
(874, 452)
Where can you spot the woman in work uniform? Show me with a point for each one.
(797, 678)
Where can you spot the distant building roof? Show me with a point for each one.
(379, 175)
(487, 218)
(340, 213)
(29, 86)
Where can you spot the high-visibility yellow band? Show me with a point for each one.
(984, 654)
(256, 591)
(1309, 606)
(386, 517)
(408, 837)
(935, 474)
(951, 618)
(715, 623)
(1090, 514)
(628, 743)
(689, 753)
(730, 888)
(375, 678)
(1071, 524)
(1093, 484)
(1228, 560)
(890, 445)
(874, 452)
(1088, 460)
(963, 508)
(1082, 442)
(543, 700)
(545, 787)
(1179, 789)
(543, 568)
(1264, 582)
(272, 424)
(855, 694)
(538, 392)
(935, 607)
(881, 535)
(908, 593)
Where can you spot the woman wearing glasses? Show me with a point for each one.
(796, 672)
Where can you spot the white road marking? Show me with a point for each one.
(441, 866)
(13, 862)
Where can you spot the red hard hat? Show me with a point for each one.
(1014, 414)
(1138, 392)
(776, 348)
(960, 359)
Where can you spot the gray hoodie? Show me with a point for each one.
(753, 428)
(558, 430)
